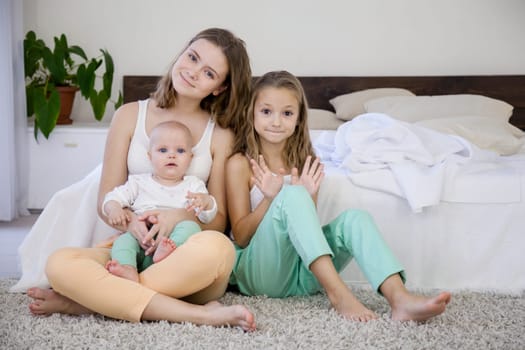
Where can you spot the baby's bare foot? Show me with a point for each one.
(234, 315)
(47, 301)
(351, 308)
(420, 308)
(166, 246)
(125, 271)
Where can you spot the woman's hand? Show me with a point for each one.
(162, 224)
(138, 228)
(311, 176)
(270, 184)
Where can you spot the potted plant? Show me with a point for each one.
(52, 75)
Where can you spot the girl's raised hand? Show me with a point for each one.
(311, 176)
(270, 184)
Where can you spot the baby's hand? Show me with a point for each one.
(116, 214)
(199, 202)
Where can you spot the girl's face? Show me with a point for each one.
(200, 70)
(170, 154)
(276, 111)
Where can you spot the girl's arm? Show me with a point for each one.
(243, 221)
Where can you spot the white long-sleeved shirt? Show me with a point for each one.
(141, 193)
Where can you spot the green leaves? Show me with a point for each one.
(65, 65)
(32, 53)
(98, 102)
(46, 110)
(86, 77)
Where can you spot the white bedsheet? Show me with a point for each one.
(421, 165)
(472, 238)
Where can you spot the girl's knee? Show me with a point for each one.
(358, 214)
(293, 196)
(354, 218)
(295, 192)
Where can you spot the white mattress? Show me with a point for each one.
(455, 244)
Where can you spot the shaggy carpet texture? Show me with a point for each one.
(472, 321)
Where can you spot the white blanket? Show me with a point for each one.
(418, 164)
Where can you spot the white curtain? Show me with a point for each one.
(14, 156)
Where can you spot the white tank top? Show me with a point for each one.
(139, 163)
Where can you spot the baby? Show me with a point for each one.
(167, 187)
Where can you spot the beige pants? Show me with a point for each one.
(198, 271)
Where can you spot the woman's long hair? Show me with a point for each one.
(229, 107)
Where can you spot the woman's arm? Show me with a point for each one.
(244, 222)
(115, 164)
(221, 148)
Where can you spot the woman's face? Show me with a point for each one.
(200, 70)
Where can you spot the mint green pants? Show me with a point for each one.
(289, 238)
(127, 251)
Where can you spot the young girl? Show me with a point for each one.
(207, 84)
(282, 250)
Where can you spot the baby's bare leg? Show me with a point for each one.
(340, 296)
(411, 307)
(125, 271)
(166, 246)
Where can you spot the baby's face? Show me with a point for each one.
(171, 154)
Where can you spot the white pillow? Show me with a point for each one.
(414, 108)
(485, 132)
(350, 105)
(322, 119)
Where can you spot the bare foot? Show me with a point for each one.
(234, 315)
(419, 308)
(166, 246)
(125, 271)
(351, 308)
(47, 301)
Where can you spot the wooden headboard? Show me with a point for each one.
(319, 90)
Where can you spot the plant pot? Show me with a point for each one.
(67, 97)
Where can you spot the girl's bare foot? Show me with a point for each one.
(165, 247)
(125, 271)
(351, 308)
(47, 301)
(412, 307)
(234, 315)
(340, 296)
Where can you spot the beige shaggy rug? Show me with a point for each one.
(472, 321)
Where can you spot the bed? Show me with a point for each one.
(438, 161)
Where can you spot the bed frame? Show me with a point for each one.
(319, 90)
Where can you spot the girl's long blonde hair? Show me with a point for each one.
(298, 145)
(228, 107)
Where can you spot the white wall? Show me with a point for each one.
(306, 37)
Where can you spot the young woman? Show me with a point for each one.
(282, 250)
(206, 85)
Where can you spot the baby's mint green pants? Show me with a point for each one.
(289, 238)
(127, 251)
